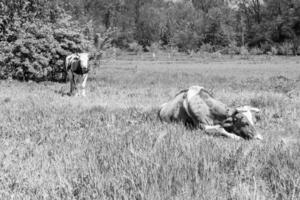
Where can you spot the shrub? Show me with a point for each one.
(123, 40)
(135, 47)
(38, 50)
(154, 47)
(207, 48)
(244, 52)
(266, 47)
(231, 49)
(274, 50)
(286, 48)
(256, 51)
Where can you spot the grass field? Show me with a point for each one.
(110, 145)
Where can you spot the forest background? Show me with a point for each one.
(36, 35)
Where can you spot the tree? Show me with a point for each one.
(206, 5)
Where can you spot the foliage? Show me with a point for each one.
(188, 25)
(35, 47)
(286, 48)
(38, 51)
(36, 35)
(256, 51)
(135, 47)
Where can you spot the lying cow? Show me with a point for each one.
(196, 108)
(77, 68)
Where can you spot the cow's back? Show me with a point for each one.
(203, 108)
(198, 110)
(218, 110)
(173, 110)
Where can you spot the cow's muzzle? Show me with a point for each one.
(85, 70)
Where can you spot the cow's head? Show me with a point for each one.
(242, 125)
(84, 60)
(251, 113)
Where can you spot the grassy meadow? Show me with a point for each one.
(110, 144)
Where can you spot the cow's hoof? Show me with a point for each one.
(258, 137)
(235, 137)
(70, 94)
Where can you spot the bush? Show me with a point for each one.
(231, 49)
(274, 50)
(154, 47)
(286, 48)
(38, 51)
(256, 51)
(123, 40)
(207, 48)
(135, 47)
(244, 52)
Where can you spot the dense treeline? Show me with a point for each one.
(36, 35)
(262, 26)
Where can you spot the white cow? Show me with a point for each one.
(77, 68)
(196, 108)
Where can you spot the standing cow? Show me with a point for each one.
(77, 68)
(197, 108)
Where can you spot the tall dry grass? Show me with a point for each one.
(111, 145)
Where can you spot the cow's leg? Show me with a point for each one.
(72, 82)
(77, 79)
(75, 82)
(220, 130)
(85, 77)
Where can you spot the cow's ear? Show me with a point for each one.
(241, 109)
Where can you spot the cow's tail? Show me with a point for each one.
(158, 113)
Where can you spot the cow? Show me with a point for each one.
(196, 108)
(77, 69)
